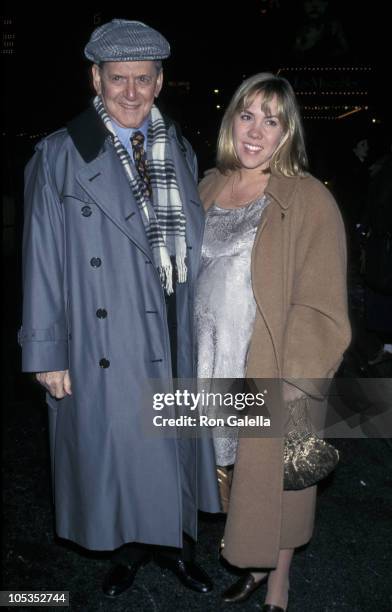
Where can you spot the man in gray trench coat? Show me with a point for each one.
(112, 238)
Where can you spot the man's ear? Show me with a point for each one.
(159, 84)
(96, 72)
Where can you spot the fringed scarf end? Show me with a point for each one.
(181, 269)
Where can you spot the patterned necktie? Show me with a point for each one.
(139, 155)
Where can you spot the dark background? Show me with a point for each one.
(214, 46)
(46, 79)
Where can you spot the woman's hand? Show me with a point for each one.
(291, 393)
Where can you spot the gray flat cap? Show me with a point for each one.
(126, 41)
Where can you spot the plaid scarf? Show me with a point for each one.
(164, 218)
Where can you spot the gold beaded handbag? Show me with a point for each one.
(307, 458)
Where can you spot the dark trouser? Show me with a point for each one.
(131, 553)
(171, 312)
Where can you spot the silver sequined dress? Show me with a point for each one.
(224, 303)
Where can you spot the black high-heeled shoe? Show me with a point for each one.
(242, 589)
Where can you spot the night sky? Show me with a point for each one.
(213, 47)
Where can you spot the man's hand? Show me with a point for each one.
(57, 383)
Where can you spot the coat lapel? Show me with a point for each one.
(211, 185)
(104, 179)
(282, 189)
(106, 183)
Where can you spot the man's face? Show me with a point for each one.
(128, 90)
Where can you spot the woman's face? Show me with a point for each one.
(256, 134)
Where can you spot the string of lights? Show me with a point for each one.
(326, 69)
(332, 93)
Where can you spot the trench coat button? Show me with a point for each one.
(101, 313)
(104, 363)
(95, 262)
(86, 211)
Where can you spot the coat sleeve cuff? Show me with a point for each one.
(45, 356)
(314, 387)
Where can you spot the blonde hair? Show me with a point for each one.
(290, 157)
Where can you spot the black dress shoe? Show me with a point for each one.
(243, 588)
(120, 578)
(191, 575)
(272, 608)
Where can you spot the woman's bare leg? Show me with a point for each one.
(278, 580)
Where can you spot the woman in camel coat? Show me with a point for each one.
(300, 327)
